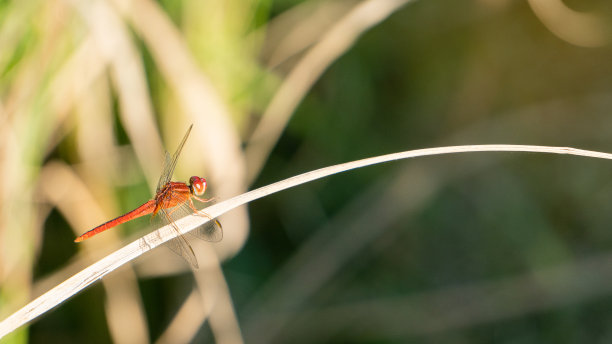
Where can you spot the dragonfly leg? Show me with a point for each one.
(204, 200)
(199, 212)
(172, 211)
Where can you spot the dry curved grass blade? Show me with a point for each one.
(138, 247)
(336, 42)
(584, 29)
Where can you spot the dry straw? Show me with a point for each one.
(96, 271)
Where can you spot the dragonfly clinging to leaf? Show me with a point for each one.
(172, 201)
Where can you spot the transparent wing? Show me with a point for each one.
(210, 231)
(170, 163)
(163, 179)
(179, 245)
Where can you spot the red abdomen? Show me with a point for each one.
(144, 209)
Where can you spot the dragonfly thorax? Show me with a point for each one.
(197, 185)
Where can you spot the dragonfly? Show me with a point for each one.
(172, 201)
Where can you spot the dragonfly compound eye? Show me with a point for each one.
(198, 185)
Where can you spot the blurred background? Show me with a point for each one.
(469, 248)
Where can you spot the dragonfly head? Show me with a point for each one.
(197, 185)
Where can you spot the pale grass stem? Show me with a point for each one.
(94, 272)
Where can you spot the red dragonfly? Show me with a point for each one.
(173, 200)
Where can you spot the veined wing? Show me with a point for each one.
(210, 231)
(178, 245)
(170, 163)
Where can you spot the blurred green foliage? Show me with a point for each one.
(472, 254)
